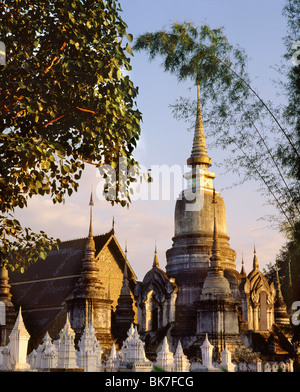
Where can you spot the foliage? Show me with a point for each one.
(202, 55)
(240, 121)
(263, 141)
(65, 101)
(291, 88)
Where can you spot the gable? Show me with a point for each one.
(111, 263)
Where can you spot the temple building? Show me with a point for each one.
(83, 279)
(199, 296)
(201, 293)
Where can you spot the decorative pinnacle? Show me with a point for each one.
(155, 261)
(125, 266)
(90, 245)
(91, 203)
(255, 261)
(243, 272)
(199, 151)
(125, 290)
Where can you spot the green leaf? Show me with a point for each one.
(128, 49)
(129, 37)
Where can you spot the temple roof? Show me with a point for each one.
(43, 288)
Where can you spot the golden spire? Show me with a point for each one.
(125, 290)
(243, 272)
(155, 261)
(90, 245)
(199, 151)
(255, 261)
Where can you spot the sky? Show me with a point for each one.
(256, 26)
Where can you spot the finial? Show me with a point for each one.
(155, 261)
(243, 272)
(125, 267)
(125, 290)
(255, 261)
(90, 246)
(91, 203)
(199, 151)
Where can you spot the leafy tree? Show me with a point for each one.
(290, 87)
(240, 121)
(65, 101)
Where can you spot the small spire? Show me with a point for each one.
(199, 151)
(125, 290)
(125, 274)
(243, 272)
(165, 346)
(90, 246)
(19, 330)
(179, 349)
(91, 203)
(155, 261)
(255, 261)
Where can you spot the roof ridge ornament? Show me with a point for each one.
(155, 260)
(90, 245)
(255, 261)
(243, 272)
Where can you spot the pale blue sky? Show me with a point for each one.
(256, 26)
